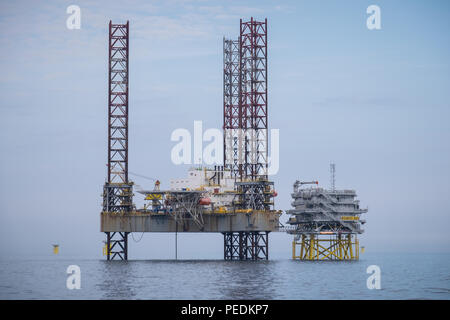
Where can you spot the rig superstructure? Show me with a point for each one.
(325, 223)
(236, 198)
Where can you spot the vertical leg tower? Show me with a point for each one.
(232, 120)
(253, 69)
(245, 134)
(118, 191)
(253, 245)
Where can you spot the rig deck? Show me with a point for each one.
(141, 221)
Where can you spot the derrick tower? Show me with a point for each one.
(118, 190)
(245, 133)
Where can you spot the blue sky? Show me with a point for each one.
(374, 102)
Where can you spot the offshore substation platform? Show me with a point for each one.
(325, 223)
(236, 198)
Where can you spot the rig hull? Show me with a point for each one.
(137, 222)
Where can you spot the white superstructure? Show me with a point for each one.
(217, 182)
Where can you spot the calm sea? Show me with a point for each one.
(403, 276)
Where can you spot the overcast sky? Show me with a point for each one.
(374, 102)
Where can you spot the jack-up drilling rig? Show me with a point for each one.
(235, 199)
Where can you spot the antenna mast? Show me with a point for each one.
(333, 176)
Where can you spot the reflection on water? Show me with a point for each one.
(116, 280)
(405, 276)
(203, 279)
(247, 280)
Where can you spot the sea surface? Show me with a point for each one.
(403, 276)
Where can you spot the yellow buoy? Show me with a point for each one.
(362, 249)
(55, 248)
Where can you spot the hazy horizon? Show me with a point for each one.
(374, 102)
